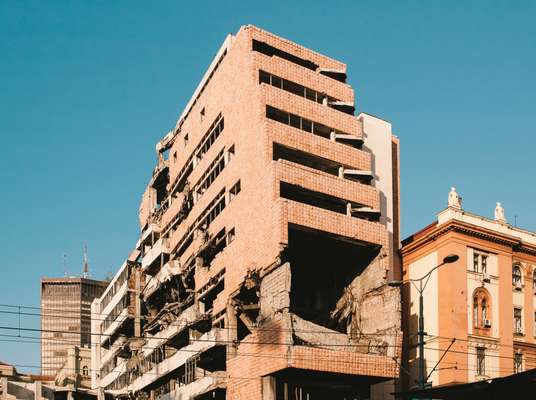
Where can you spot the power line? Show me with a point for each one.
(174, 323)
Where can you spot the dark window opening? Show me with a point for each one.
(242, 330)
(270, 51)
(315, 199)
(213, 359)
(322, 266)
(303, 91)
(337, 75)
(281, 152)
(307, 385)
(301, 123)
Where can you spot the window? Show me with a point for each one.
(186, 137)
(480, 361)
(475, 311)
(174, 157)
(534, 280)
(480, 262)
(518, 327)
(85, 370)
(230, 236)
(535, 324)
(304, 124)
(516, 277)
(202, 114)
(234, 190)
(481, 308)
(297, 89)
(518, 363)
(230, 153)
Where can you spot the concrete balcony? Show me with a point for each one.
(115, 349)
(207, 341)
(150, 235)
(155, 255)
(196, 388)
(168, 271)
(114, 300)
(118, 321)
(184, 320)
(113, 374)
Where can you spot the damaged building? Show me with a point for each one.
(269, 230)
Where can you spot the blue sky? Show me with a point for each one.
(87, 88)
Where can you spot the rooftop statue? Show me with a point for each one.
(454, 199)
(499, 213)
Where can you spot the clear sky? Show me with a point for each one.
(87, 88)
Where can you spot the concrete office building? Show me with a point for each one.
(65, 318)
(269, 230)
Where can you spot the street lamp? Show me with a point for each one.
(447, 260)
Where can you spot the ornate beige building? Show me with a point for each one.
(483, 306)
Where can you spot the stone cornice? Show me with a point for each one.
(470, 230)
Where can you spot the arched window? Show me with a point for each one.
(516, 276)
(534, 279)
(85, 370)
(481, 308)
(475, 311)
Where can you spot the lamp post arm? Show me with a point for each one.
(427, 275)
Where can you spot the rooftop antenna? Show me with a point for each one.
(65, 265)
(85, 274)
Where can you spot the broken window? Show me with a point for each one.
(209, 292)
(213, 132)
(214, 208)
